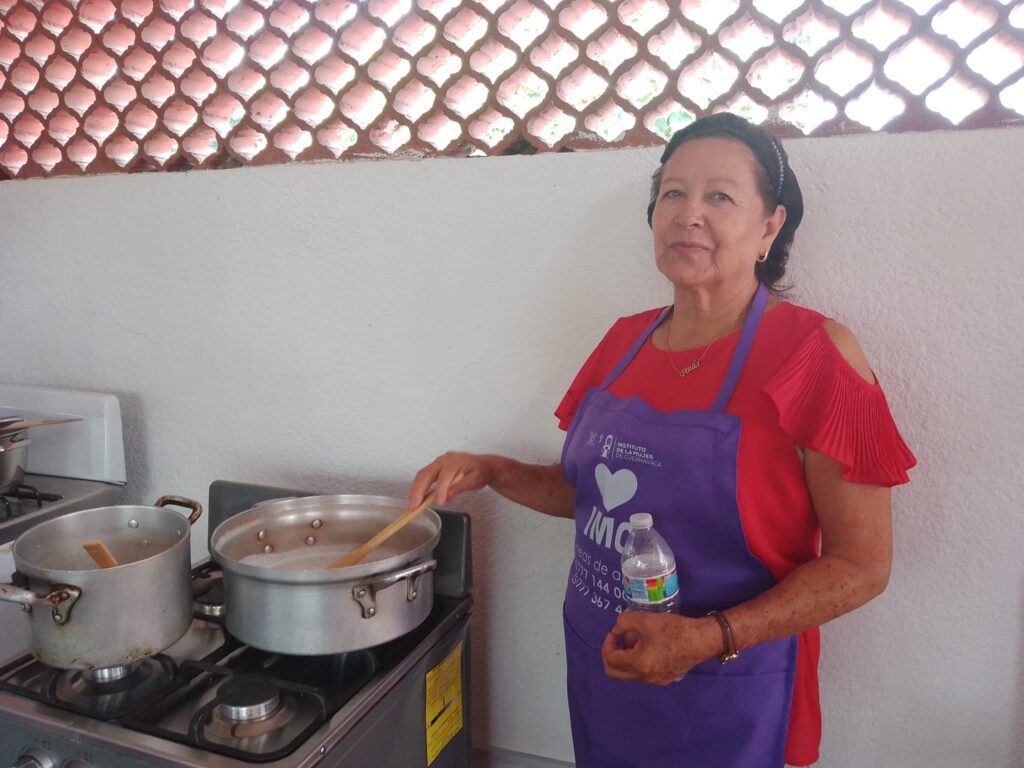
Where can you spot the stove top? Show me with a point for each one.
(211, 700)
(212, 692)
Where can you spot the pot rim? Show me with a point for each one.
(60, 575)
(312, 576)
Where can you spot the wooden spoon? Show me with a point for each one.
(99, 553)
(388, 531)
(8, 426)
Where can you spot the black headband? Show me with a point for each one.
(782, 167)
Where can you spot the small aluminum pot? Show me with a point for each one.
(86, 617)
(306, 609)
(13, 455)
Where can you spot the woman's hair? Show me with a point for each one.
(777, 182)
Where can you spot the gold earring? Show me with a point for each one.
(763, 257)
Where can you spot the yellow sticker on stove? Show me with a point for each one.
(444, 703)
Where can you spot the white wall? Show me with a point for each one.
(335, 326)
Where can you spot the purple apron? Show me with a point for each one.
(622, 456)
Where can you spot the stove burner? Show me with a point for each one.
(257, 716)
(208, 595)
(211, 602)
(250, 700)
(111, 692)
(109, 674)
(214, 611)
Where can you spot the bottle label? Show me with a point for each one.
(654, 590)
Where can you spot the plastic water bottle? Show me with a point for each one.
(648, 569)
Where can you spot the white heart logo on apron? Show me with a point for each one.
(616, 488)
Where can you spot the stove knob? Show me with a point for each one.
(34, 758)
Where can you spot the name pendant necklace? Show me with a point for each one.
(684, 372)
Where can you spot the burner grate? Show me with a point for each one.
(294, 711)
(251, 716)
(11, 501)
(86, 693)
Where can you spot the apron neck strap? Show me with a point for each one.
(739, 357)
(628, 357)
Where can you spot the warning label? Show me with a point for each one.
(444, 703)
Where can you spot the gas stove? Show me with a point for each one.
(211, 700)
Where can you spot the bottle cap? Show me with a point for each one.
(641, 520)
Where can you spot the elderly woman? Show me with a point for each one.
(756, 434)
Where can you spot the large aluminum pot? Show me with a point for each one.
(279, 597)
(83, 616)
(13, 455)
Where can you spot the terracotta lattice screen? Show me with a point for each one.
(92, 86)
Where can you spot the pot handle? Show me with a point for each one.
(365, 594)
(181, 501)
(62, 598)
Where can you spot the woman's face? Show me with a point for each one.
(710, 223)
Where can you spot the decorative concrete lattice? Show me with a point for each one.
(92, 86)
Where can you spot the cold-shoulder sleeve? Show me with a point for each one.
(825, 405)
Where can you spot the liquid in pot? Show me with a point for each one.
(315, 558)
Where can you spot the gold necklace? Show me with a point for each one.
(684, 372)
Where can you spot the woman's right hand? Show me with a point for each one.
(476, 472)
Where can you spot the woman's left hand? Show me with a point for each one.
(658, 648)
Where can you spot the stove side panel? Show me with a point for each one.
(394, 732)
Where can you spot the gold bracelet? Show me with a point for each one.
(729, 653)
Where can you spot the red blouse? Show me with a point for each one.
(797, 390)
